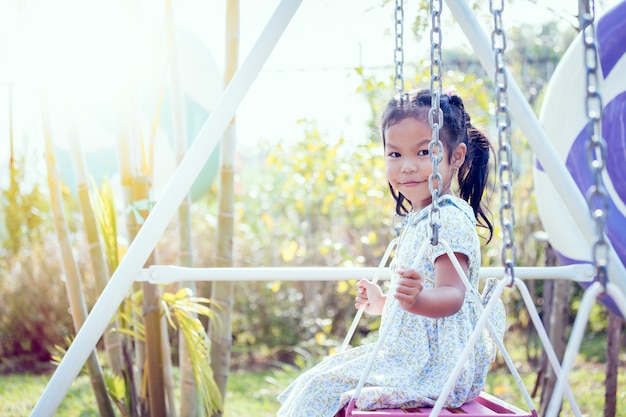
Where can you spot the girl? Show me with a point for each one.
(436, 316)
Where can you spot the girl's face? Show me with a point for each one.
(408, 162)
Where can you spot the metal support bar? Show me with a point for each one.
(163, 211)
(165, 274)
(578, 332)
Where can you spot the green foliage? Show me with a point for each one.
(106, 217)
(181, 310)
(26, 210)
(116, 387)
(27, 336)
(314, 202)
(29, 330)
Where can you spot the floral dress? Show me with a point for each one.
(418, 353)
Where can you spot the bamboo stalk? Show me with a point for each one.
(73, 286)
(189, 401)
(222, 292)
(168, 374)
(126, 181)
(151, 315)
(112, 342)
(167, 32)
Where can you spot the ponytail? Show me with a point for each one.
(472, 175)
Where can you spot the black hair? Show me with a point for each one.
(456, 129)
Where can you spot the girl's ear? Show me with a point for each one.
(458, 156)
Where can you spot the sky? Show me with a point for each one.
(72, 48)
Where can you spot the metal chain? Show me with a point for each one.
(505, 156)
(435, 116)
(597, 197)
(398, 81)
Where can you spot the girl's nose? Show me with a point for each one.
(408, 165)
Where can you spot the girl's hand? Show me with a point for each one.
(369, 295)
(410, 286)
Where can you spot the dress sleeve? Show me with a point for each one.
(458, 229)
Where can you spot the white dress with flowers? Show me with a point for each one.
(418, 353)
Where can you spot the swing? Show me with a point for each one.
(484, 404)
(121, 280)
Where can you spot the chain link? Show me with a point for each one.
(398, 81)
(435, 116)
(597, 197)
(505, 154)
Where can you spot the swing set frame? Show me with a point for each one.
(131, 268)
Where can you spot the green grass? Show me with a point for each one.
(251, 394)
(20, 392)
(586, 382)
(254, 393)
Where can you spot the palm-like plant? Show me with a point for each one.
(180, 310)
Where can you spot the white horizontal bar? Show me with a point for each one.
(162, 274)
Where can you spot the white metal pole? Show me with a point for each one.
(537, 137)
(163, 211)
(573, 346)
(545, 340)
(578, 332)
(166, 274)
(357, 318)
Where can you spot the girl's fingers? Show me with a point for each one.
(409, 273)
(409, 284)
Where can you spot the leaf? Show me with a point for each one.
(275, 286)
(342, 287)
(116, 385)
(289, 252)
(182, 307)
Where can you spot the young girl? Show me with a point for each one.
(436, 315)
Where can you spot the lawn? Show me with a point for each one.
(250, 394)
(254, 394)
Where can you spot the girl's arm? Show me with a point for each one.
(445, 299)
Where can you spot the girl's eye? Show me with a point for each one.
(423, 152)
(394, 154)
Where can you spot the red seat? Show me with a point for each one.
(483, 406)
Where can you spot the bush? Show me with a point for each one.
(34, 312)
(36, 318)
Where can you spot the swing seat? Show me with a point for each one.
(484, 405)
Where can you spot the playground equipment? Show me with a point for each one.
(130, 268)
(569, 140)
(597, 197)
